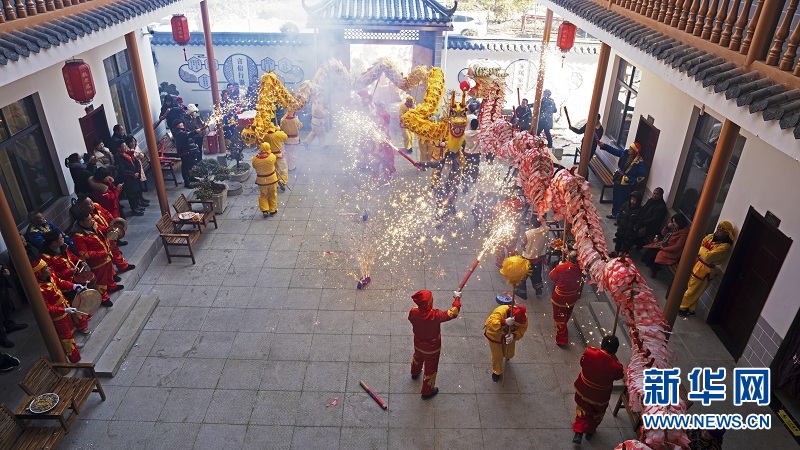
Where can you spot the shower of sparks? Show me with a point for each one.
(230, 108)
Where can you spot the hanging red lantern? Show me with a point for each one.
(566, 36)
(180, 31)
(78, 79)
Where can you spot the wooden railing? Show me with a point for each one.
(22, 9)
(732, 24)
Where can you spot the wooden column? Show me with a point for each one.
(147, 120)
(212, 70)
(548, 24)
(765, 28)
(716, 174)
(30, 285)
(594, 109)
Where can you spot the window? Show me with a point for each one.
(27, 172)
(623, 101)
(695, 170)
(123, 92)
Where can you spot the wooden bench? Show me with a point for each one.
(44, 377)
(182, 204)
(635, 417)
(171, 236)
(15, 435)
(605, 176)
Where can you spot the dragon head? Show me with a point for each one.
(249, 136)
(458, 116)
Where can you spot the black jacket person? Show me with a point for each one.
(187, 150)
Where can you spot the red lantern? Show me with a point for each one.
(180, 29)
(78, 79)
(566, 36)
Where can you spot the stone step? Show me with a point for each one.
(108, 326)
(584, 321)
(109, 362)
(603, 313)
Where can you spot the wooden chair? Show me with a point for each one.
(604, 174)
(182, 204)
(15, 435)
(169, 164)
(44, 377)
(172, 237)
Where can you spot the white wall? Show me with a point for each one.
(294, 64)
(765, 178)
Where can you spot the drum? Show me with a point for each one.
(83, 277)
(88, 300)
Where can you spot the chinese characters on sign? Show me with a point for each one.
(750, 385)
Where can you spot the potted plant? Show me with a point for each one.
(241, 170)
(210, 173)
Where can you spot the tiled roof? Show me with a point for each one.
(510, 45)
(229, 39)
(774, 101)
(379, 14)
(20, 44)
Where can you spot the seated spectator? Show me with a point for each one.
(667, 250)
(102, 154)
(80, 173)
(651, 217)
(37, 227)
(105, 191)
(628, 223)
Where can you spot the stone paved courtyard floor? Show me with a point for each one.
(248, 347)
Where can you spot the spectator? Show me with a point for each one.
(139, 157)
(546, 110)
(105, 191)
(193, 121)
(118, 133)
(630, 172)
(652, 216)
(103, 156)
(523, 114)
(170, 111)
(628, 221)
(598, 134)
(80, 173)
(187, 150)
(7, 362)
(472, 154)
(8, 325)
(37, 227)
(667, 250)
(129, 170)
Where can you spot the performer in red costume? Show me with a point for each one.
(64, 318)
(567, 279)
(94, 248)
(599, 369)
(103, 220)
(426, 322)
(60, 259)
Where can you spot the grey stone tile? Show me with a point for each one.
(276, 408)
(334, 322)
(223, 319)
(174, 344)
(312, 410)
(367, 348)
(241, 374)
(280, 259)
(260, 437)
(220, 436)
(201, 373)
(158, 372)
(241, 274)
(454, 378)
(315, 437)
(90, 433)
(330, 347)
(460, 438)
(372, 323)
(159, 317)
(410, 411)
(283, 375)
(141, 404)
(186, 405)
(174, 435)
(212, 344)
(325, 376)
(412, 438)
(186, 318)
(364, 438)
(259, 321)
(337, 300)
(308, 278)
(144, 343)
(126, 373)
(270, 277)
(289, 228)
(233, 297)
(290, 347)
(96, 409)
(375, 375)
(251, 346)
(231, 406)
(127, 434)
(301, 298)
(465, 404)
(199, 296)
(296, 321)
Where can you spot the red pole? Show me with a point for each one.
(468, 274)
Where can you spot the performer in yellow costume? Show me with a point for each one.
(275, 139)
(408, 135)
(715, 249)
(319, 117)
(290, 125)
(503, 329)
(266, 179)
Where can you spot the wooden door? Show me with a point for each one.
(754, 265)
(95, 125)
(647, 136)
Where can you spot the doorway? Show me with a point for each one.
(95, 125)
(755, 263)
(647, 137)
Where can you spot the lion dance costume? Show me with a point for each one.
(266, 179)
(496, 331)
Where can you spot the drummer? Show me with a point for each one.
(104, 221)
(62, 262)
(94, 248)
(62, 314)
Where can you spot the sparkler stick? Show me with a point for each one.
(403, 154)
(373, 395)
(566, 113)
(469, 271)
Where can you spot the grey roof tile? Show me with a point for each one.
(379, 13)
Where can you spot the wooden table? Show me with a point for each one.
(57, 413)
(196, 224)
